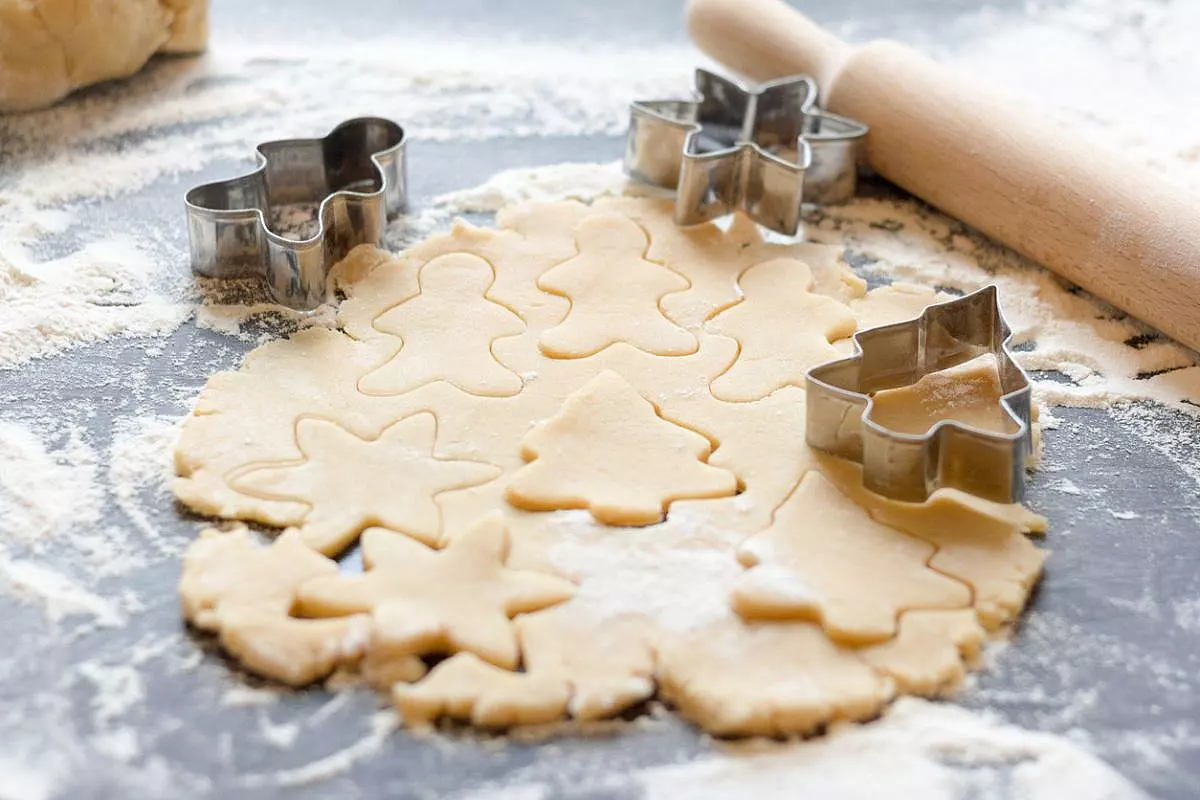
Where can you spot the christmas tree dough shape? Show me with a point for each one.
(608, 450)
(350, 483)
(823, 559)
(425, 601)
(448, 330)
(614, 293)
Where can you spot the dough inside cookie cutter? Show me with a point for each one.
(760, 149)
(910, 467)
(356, 173)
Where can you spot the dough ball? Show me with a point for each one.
(49, 48)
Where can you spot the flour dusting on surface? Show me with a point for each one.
(85, 512)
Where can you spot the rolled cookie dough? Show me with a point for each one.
(50, 48)
(765, 591)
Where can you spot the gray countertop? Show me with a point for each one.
(1108, 651)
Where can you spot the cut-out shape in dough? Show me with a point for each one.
(766, 679)
(350, 483)
(429, 601)
(593, 652)
(980, 543)
(245, 591)
(927, 655)
(614, 293)
(783, 329)
(969, 393)
(824, 559)
(468, 689)
(609, 451)
(609, 668)
(448, 330)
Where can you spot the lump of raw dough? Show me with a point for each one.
(49, 48)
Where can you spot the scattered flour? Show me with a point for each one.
(919, 749)
(584, 182)
(1112, 60)
(677, 586)
(105, 289)
(62, 596)
(116, 688)
(139, 464)
(382, 725)
(47, 487)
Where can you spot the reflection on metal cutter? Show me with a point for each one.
(763, 150)
(357, 175)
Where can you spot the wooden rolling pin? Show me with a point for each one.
(1098, 219)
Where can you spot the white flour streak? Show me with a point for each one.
(919, 749)
(107, 288)
(47, 487)
(584, 182)
(671, 572)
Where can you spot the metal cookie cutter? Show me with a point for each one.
(761, 149)
(950, 454)
(356, 173)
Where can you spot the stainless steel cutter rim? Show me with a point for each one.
(296, 270)
(1016, 401)
(753, 113)
(398, 134)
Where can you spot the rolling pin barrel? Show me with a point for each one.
(1086, 213)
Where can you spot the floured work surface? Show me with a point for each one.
(571, 450)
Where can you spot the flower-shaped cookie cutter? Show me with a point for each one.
(909, 467)
(760, 149)
(357, 174)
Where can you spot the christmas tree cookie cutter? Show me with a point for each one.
(760, 149)
(909, 467)
(357, 175)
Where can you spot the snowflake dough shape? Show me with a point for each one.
(350, 483)
(774, 356)
(614, 293)
(824, 559)
(245, 592)
(429, 601)
(448, 330)
(609, 451)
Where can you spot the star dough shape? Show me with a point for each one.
(351, 483)
(244, 592)
(608, 450)
(460, 599)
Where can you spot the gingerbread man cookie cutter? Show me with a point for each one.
(356, 174)
(760, 149)
(909, 467)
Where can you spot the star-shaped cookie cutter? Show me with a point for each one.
(910, 467)
(357, 175)
(760, 149)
